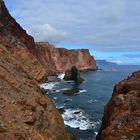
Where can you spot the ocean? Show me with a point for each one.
(83, 111)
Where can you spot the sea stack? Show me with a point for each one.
(121, 120)
(73, 74)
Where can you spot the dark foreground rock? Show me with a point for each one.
(61, 110)
(74, 75)
(71, 137)
(71, 92)
(121, 120)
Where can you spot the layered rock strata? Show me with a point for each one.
(61, 59)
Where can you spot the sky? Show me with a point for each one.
(110, 29)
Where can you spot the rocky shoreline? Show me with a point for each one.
(25, 113)
(121, 120)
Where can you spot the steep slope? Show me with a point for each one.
(121, 119)
(61, 59)
(19, 43)
(24, 113)
(50, 58)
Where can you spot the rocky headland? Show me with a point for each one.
(25, 113)
(61, 59)
(121, 120)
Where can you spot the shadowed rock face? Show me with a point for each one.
(61, 59)
(24, 113)
(121, 120)
(73, 74)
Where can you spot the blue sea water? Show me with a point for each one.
(84, 111)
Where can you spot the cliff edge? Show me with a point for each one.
(24, 113)
(61, 59)
(121, 120)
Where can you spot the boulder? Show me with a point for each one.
(70, 92)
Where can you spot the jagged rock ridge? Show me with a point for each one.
(121, 120)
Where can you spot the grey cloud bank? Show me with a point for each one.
(108, 25)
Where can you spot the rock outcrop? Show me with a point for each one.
(15, 41)
(60, 59)
(73, 74)
(24, 113)
(121, 120)
(44, 57)
(71, 92)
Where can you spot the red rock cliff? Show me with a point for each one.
(44, 56)
(61, 59)
(24, 113)
(17, 42)
(121, 119)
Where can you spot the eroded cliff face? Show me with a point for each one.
(24, 113)
(61, 59)
(17, 42)
(41, 59)
(121, 119)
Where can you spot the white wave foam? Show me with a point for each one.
(92, 101)
(59, 106)
(82, 90)
(61, 76)
(68, 100)
(55, 98)
(49, 86)
(56, 91)
(96, 133)
(70, 82)
(76, 119)
(59, 90)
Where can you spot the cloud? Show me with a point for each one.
(47, 32)
(107, 25)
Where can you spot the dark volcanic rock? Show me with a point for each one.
(61, 110)
(74, 75)
(70, 92)
(121, 120)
